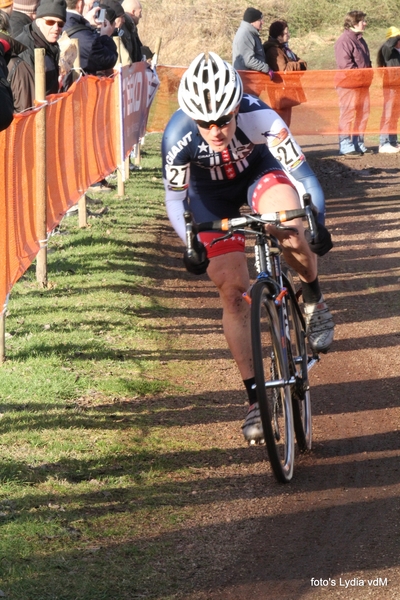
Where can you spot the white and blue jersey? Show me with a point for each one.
(216, 183)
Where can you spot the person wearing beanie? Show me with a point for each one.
(97, 50)
(247, 50)
(281, 58)
(352, 52)
(23, 13)
(389, 56)
(44, 32)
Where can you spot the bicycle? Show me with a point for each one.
(278, 331)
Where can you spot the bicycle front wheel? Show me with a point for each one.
(272, 386)
(298, 361)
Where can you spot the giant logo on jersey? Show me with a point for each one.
(176, 148)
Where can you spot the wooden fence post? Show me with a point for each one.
(82, 212)
(2, 337)
(117, 104)
(41, 191)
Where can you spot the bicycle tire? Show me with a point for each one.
(298, 359)
(269, 364)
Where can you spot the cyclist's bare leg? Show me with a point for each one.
(296, 250)
(298, 255)
(229, 273)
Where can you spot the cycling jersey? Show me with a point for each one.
(217, 182)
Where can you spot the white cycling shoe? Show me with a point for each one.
(252, 426)
(320, 325)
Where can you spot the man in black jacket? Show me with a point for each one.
(97, 50)
(44, 32)
(130, 37)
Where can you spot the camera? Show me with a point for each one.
(101, 16)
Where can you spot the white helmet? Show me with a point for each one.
(209, 89)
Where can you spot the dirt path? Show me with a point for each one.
(334, 531)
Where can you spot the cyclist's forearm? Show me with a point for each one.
(175, 204)
(306, 176)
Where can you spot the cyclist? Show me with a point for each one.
(221, 149)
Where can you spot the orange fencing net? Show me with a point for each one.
(312, 94)
(81, 132)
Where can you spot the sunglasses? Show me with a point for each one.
(51, 22)
(221, 122)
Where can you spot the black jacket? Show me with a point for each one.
(96, 52)
(18, 20)
(131, 40)
(32, 38)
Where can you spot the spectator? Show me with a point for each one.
(130, 36)
(97, 50)
(351, 52)
(44, 32)
(6, 100)
(277, 52)
(247, 51)
(23, 13)
(280, 58)
(20, 75)
(389, 56)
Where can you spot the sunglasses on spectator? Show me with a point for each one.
(221, 122)
(51, 22)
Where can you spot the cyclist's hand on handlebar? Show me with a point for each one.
(195, 260)
(322, 242)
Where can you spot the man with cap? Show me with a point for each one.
(97, 50)
(23, 13)
(247, 51)
(44, 32)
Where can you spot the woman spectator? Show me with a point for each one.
(280, 57)
(389, 56)
(351, 54)
(44, 32)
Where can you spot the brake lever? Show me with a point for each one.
(221, 239)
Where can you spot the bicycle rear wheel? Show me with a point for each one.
(298, 359)
(274, 399)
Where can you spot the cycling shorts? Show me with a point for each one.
(222, 200)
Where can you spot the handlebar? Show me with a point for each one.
(252, 221)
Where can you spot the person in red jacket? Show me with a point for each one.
(352, 52)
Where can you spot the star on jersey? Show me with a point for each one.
(252, 100)
(203, 147)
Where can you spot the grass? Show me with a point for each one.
(191, 26)
(82, 455)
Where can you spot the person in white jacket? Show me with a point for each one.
(247, 51)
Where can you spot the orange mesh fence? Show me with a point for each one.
(18, 240)
(311, 94)
(80, 141)
(81, 130)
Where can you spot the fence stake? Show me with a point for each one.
(82, 213)
(41, 191)
(2, 337)
(117, 102)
